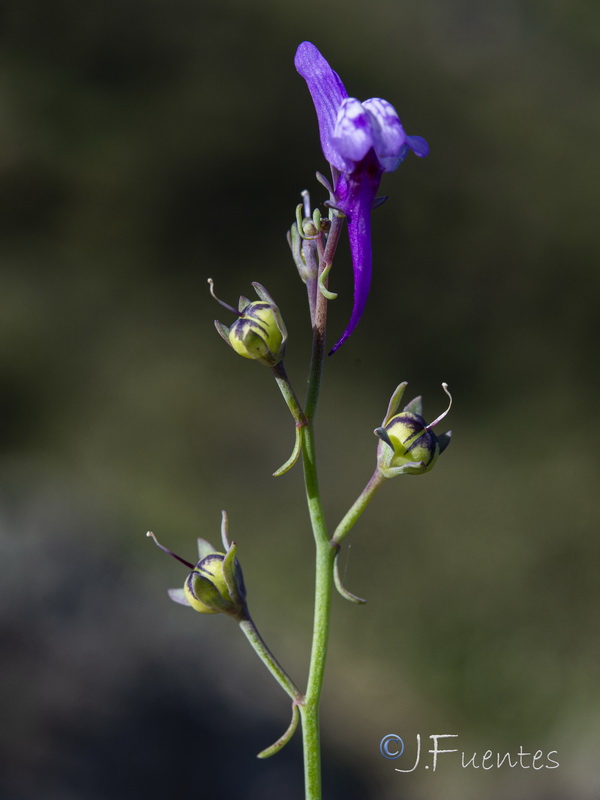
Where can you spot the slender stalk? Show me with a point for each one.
(289, 395)
(325, 557)
(309, 712)
(269, 660)
(311, 273)
(325, 553)
(320, 319)
(354, 512)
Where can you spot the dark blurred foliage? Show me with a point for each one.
(147, 146)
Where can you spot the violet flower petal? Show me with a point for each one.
(353, 132)
(388, 134)
(327, 92)
(418, 145)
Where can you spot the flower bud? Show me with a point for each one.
(259, 332)
(215, 584)
(408, 444)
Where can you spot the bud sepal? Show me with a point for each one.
(408, 445)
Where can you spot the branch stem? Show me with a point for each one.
(362, 501)
(269, 660)
(289, 395)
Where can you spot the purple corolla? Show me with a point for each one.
(360, 141)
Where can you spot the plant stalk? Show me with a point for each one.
(362, 501)
(266, 656)
(325, 552)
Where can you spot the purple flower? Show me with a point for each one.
(361, 141)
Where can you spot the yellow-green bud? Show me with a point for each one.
(215, 584)
(206, 588)
(259, 332)
(408, 444)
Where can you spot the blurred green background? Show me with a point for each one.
(147, 146)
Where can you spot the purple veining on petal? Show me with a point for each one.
(353, 133)
(388, 133)
(327, 91)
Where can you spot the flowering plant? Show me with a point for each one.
(360, 141)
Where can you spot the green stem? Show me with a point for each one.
(289, 395)
(269, 660)
(361, 502)
(325, 553)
